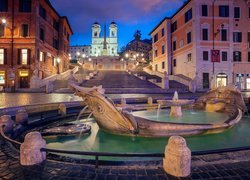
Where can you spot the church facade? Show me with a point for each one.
(104, 45)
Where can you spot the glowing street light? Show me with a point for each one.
(78, 53)
(4, 21)
(84, 55)
(126, 55)
(58, 60)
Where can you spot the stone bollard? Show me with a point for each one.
(123, 102)
(7, 122)
(22, 116)
(30, 150)
(177, 160)
(62, 109)
(150, 100)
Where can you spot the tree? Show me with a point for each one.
(137, 35)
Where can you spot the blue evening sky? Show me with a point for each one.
(130, 15)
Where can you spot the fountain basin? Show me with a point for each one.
(180, 102)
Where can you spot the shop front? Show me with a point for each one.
(240, 81)
(248, 81)
(24, 78)
(2, 80)
(221, 80)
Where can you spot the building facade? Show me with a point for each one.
(206, 40)
(79, 52)
(34, 40)
(104, 45)
(138, 48)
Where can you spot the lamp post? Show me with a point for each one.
(126, 57)
(58, 60)
(12, 73)
(78, 56)
(83, 57)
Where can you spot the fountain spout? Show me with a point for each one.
(176, 96)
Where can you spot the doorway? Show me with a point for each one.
(221, 79)
(205, 79)
(24, 79)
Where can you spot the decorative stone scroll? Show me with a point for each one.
(7, 122)
(177, 160)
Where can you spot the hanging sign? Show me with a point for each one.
(215, 55)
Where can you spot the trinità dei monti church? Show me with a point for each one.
(104, 45)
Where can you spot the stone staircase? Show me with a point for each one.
(153, 78)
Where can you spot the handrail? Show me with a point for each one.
(86, 153)
(7, 138)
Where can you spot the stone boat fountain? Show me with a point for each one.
(118, 121)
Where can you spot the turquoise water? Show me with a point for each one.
(190, 116)
(100, 141)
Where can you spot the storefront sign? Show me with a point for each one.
(23, 73)
(215, 55)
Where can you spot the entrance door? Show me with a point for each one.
(205, 80)
(221, 80)
(24, 82)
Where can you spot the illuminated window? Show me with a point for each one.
(41, 56)
(1, 56)
(24, 56)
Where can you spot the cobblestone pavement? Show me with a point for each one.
(11, 169)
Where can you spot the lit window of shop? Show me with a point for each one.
(2, 77)
(221, 79)
(248, 82)
(240, 80)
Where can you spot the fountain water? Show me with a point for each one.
(158, 111)
(81, 113)
(176, 96)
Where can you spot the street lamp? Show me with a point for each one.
(127, 58)
(58, 60)
(78, 55)
(5, 23)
